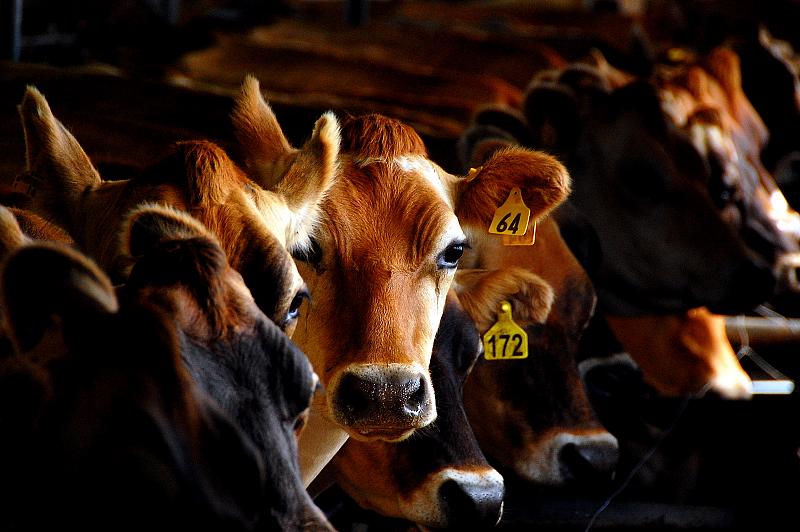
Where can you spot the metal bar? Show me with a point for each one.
(762, 331)
(11, 13)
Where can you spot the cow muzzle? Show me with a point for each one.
(459, 499)
(382, 401)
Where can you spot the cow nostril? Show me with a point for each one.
(417, 398)
(353, 396)
(590, 460)
(471, 504)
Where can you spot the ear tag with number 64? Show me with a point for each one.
(505, 340)
(511, 218)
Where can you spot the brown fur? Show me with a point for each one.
(481, 292)
(544, 183)
(678, 354)
(375, 136)
(254, 225)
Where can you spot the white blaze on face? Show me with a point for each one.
(425, 168)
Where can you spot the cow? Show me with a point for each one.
(102, 425)
(440, 478)
(233, 352)
(659, 191)
(380, 264)
(256, 223)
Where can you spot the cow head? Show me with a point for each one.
(439, 478)
(106, 424)
(381, 261)
(532, 417)
(255, 224)
(643, 187)
(231, 349)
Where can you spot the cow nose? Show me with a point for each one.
(588, 460)
(471, 504)
(384, 401)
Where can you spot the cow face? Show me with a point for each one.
(729, 134)
(643, 187)
(532, 417)
(101, 421)
(439, 478)
(231, 349)
(382, 258)
(255, 224)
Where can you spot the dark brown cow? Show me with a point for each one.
(102, 425)
(255, 224)
(231, 349)
(641, 184)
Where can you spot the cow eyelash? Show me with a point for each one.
(448, 259)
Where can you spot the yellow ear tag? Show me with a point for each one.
(511, 218)
(525, 240)
(505, 340)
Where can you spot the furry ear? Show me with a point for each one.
(54, 157)
(301, 176)
(150, 224)
(479, 142)
(481, 291)
(724, 64)
(46, 283)
(553, 116)
(642, 100)
(11, 235)
(543, 181)
(505, 118)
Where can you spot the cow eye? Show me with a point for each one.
(294, 306)
(448, 259)
(312, 254)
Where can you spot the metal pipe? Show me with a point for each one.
(11, 13)
(762, 331)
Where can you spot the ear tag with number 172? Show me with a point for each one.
(505, 340)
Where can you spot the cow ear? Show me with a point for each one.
(505, 118)
(481, 292)
(11, 235)
(479, 142)
(302, 177)
(551, 110)
(724, 64)
(55, 157)
(542, 180)
(149, 225)
(45, 286)
(641, 99)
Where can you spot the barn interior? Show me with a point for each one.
(130, 78)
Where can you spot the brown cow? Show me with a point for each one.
(439, 478)
(256, 221)
(380, 265)
(532, 417)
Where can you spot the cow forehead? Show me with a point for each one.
(390, 208)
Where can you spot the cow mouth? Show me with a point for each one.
(383, 434)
